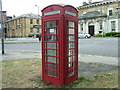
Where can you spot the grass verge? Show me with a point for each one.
(100, 80)
(22, 73)
(26, 73)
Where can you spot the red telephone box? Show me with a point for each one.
(59, 44)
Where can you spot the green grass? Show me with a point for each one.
(100, 80)
(26, 73)
(21, 73)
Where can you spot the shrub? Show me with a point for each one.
(99, 35)
(113, 34)
(109, 34)
(117, 35)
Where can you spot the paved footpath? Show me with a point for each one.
(21, 40)
(10, 55)
(99, 59)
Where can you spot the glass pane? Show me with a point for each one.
(74, 65)
(71, 73)
(71, 24)
(70, 59)
(50, 31)
(71, 45)
(71, 31)
(50, 38)
(51, 52)
(51, 73)
(74, 58)
(51, 45)
(71, 52)
(71, 38)
(52, 59)
(51, 66)
(51, 24)
(70, 65)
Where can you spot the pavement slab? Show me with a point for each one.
(99, 59)
(91, 69)
(17, 54)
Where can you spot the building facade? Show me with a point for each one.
(99, 17)
(24, 25)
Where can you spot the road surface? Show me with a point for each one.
(92, 46)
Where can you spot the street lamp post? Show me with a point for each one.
(2, 28)
(38, 16)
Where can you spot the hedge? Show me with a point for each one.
(114, 34)
(109, 34)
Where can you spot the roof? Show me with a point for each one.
(97, 3)
(29, 15)
(60, 5)
(9, 16)
(3, 11)
(92, 14)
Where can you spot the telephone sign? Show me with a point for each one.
(59, 44)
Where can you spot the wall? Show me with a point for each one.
(106, 22)
(20, 27)
(104, 8)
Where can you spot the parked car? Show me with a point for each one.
(31, 35)
(83, 35)
(34, 35)
(38, 36)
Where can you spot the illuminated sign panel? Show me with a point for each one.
(70, 13)
(51, 13)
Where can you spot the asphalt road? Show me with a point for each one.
(92, 46)
(99, 46)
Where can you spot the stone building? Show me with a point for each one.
(99, 17)
(24, 25)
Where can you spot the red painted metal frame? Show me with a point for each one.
(62, 42)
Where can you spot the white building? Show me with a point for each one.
(99, 17)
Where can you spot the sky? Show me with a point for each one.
(19, 7)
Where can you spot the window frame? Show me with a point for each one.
(113, 24)
(31, 21)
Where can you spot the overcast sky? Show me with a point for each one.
(19, 7)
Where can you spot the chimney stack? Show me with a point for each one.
(89, 1)
(84, 3)
(13, 16)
